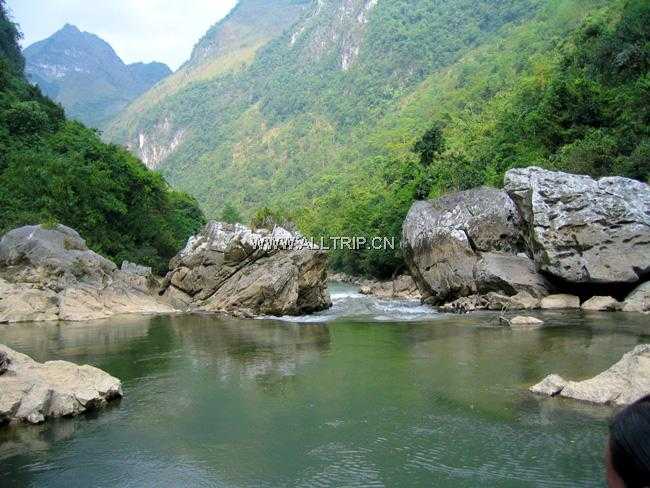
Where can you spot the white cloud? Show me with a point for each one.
(138, 30)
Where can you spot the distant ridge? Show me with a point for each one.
(83, 73)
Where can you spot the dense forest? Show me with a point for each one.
(53, 170)
(361, 107)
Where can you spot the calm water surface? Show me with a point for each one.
(370, 393)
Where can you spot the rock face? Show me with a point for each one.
(402, 287)
(639, 299)
(583, 230)
(230, 268)
(33, 392)
(468, 242)
(623, 383)
(50, 274)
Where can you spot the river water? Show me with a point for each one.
(368, 394)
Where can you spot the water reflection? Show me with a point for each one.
(357, 402)
(264, 351)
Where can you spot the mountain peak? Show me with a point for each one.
(69, 28)
(82, 72)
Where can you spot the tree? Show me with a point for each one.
(430, 145)
(230, 214)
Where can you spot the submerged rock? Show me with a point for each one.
(622, 384)
(583, 230)
(549, 386)
(230, 268)
(50, 274)
(522, 320)
(33, 392)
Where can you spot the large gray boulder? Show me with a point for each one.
(54, 257)
(50, 274)
(466, 243)
(33, 392)
(233, 269)
(622, 384)
(584, 230)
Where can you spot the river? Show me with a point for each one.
(368, 394)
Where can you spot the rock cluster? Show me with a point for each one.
(403, 287)
(623, 383)
(517, 248)
(50, 274)
(233, 269)
(32, 392)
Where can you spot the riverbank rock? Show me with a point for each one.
(601, 304)
(50, 274)
(345, 278)
(520, 301)
(639, 299)
(622, 384)
(583, 230)
(560, 301)
(230, 268)
(467, 243)
(33, 392)
(403, 287)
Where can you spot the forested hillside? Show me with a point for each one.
(56, 170)
(568, 90)
(362, 106)
(84, 74)
(149, 126)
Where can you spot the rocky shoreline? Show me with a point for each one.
(549, 240)
(622, 384)
(32, 392)
(50, 274)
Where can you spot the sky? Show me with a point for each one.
(138, 30)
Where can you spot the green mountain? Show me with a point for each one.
(85, 75)
(359, 107)
(227, 48)
(56, 170)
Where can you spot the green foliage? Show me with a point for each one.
(230, 214)
(9, 37)
(563, 91)
(430, 145)
(266, 218)
(443, 96)
(58, 171)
